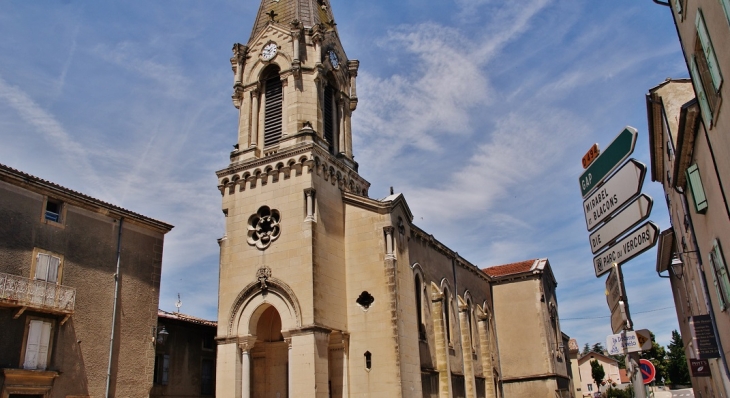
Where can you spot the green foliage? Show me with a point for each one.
(618, 393)
(586, 349)
(598, 347)
(658, 356)
(621, 358)
(597, 372)
(677, 370)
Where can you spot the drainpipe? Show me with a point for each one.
(706, 292)
(114, 313)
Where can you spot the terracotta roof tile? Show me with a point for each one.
(510, 269)
(185, 318)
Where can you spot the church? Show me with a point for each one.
(327, 292)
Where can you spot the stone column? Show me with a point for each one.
(245, 369)
(345, 365)
(442, 347)
(284, 105)
(254, 138)
(288, 368)
(239, 55)
(309, 194)
(466, 348)
(317, 38)
(485, 351)
(389, 254)
(341, 146)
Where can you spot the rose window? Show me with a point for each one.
(263, 227)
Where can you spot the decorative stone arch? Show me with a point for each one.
(282, 61)
(255, 298)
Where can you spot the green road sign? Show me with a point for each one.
(620, 149)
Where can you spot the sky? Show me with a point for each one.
(478, 111)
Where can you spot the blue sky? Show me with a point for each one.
(478, 111)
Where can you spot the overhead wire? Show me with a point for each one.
(608, 316)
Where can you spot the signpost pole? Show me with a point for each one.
(636, 380)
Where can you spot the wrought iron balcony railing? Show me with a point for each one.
(17, 291)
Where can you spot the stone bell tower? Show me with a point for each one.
(282, 317)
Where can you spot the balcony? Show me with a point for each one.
(37, 295)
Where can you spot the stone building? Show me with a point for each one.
(533, 351)
(612, 377)
(684, 160)
(79, 286)
(324, 291)
(184, 356)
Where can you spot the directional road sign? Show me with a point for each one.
(648, 371)
(615, 153)
(614, 289)
(627, 341)
(633, 244)
(636, 212)
(619, 318)
(618, 190)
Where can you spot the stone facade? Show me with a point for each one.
(325, 292)
(59, 252)
(680, 141)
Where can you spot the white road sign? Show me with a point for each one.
(633, 244)
(619, 319)
(628, 341)
(614, 193)
(636, 212)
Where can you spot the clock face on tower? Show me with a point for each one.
(334, 60)
(269, 51)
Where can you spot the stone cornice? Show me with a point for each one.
(418, 233)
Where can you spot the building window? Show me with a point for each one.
(273, 104)
(447, 316)
(705, 71)
(162, 369)
(695, 186)
(677, 6)
(720, 275)
(208, 343)
(37, 344)
(46, 267)
(419, 309)
(53, 210)
(207, 379)
(590, 387)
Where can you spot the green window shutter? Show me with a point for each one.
(708, 50)
(722, 278)
(698, 191)
(726, 8)
(700, 90)
(677, 6)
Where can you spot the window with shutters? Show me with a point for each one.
(46, 266)
(695, 186)
(162, 369)
(726, 8)
(720, 275)
(705, 71)
(273, 106)
(37, 348)
(330, 116)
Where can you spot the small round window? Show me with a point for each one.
(264, 227)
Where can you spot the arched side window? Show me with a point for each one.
(419, 308)
(273, 104)
(331, 118)
(447, 315)
(469, 316)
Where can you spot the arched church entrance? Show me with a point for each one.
(270, 357)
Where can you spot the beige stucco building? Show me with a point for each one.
(533, 351)
(69, 327)
(689, 132)
(611, 378)
(324, 291)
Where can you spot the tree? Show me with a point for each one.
(657, 355)
(586, 349)
(676, 361)
(597, 373)
(598, 347)
(621, 358)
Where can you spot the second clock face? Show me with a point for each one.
(269, 51)
(334, 60)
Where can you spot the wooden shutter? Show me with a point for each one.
(700, 91)
(726, 8)
(722, 279)
(677, 6)
(36, 347)
(41, 266)
(329, 117)
(273, 111)
(695, 185)
(53, 269)
(708, 50)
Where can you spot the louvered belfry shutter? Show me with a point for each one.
(272, 112)
(329, 114)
